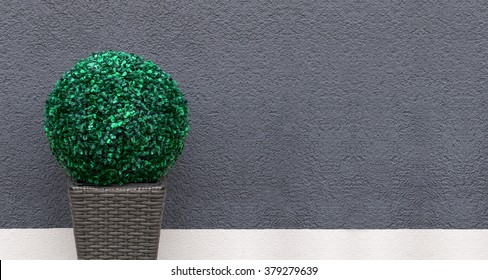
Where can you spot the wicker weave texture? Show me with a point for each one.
(117, 222)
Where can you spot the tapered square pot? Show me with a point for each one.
(117, 222)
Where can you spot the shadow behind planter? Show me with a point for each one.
(117, 222)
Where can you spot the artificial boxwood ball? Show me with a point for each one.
(115, 118)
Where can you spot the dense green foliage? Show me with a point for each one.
(115, 118)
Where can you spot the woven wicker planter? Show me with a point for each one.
(117, 222)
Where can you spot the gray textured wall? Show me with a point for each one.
(326, 114)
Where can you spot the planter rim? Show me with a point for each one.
(160, 182)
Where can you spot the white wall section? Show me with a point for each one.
(269, 244)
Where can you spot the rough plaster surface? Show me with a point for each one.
(304, 114)
(59, 243)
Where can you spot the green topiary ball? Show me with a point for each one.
(115, 118)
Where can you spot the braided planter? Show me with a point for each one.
(117, 222)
